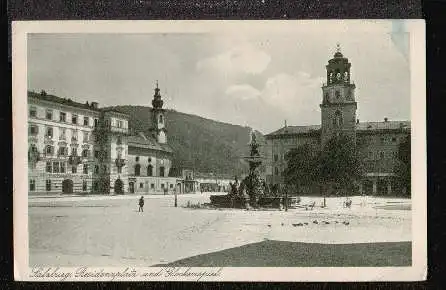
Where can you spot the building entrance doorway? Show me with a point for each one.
(119, 186)
(67, 186)
(131, 187)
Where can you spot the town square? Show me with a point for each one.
(286, 146)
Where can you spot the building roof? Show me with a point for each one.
(69, 102)
(360, 127)
(296, 130)
(383, 125)
(147, 142)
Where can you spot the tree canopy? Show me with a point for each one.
(301, 166)
(339, 162)
(403, 165)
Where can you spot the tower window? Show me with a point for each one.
(337, 121)
(161, 119)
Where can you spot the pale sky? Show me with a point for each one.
(255, 79)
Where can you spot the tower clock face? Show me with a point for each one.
(338, 76)
(346, 76)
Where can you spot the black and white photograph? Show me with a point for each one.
(219, 150)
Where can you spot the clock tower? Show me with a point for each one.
(158, 117)
(338, 107)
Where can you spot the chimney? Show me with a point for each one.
(386, 119)
(94, 105)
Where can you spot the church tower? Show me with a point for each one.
(338, 107)
(158, 117)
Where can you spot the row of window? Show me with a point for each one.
(152, 185)
(62, 151)
(149, 170)
(49, 133)
(49, 185)
(61, 167)
(49, 115)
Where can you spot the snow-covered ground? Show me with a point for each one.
(108, 231)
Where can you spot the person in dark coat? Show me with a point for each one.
(141, 204)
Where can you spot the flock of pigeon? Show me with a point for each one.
(316, 223)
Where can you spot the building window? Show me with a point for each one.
(49, 150)
(32, 185)
(150, 170)
(73, 169)
(119, 124)
(137, 170)
(171, 185)
(85, 137)
(55, 167)
(152, 185)
(74, 119)
(74, 134)
(86, 121)
(62, 167)
(33, 112)
(85, 153)
(96, 123)
(33, 130)
(48, 185)
(162, 171)
(276, 157)
(96, 169)
(276, 171)
(141, 185)
(63, 151)
(73, 151)
(62, 117)
(161, 119)
(119, 140)
(84, 185)
(85, 168)
(49, 114)
(137, 158)
(394, 139)
(49, 168)
(49, 132)
(62, 134)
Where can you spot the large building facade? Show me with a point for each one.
(377, 142)
(81, 148)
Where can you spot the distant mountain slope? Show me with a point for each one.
(203, 144)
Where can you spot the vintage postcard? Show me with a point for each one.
(219, 150)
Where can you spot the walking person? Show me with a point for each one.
(141, 204)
